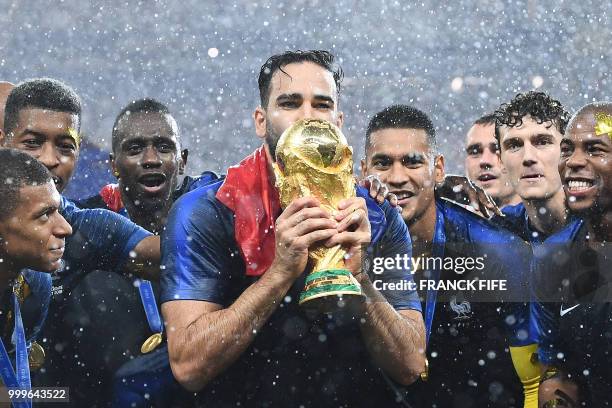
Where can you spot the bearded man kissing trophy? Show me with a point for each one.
(314, 159)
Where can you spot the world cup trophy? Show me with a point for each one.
(314, 159)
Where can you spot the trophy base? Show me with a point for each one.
(331, 290)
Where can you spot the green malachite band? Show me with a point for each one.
(327, 273)
(328, 289)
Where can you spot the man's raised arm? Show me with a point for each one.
(394, 338)
(204, 338)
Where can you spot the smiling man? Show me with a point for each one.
(234, 268)
(148, 159)
(579, 269)
(388, 151)
(483, 165)
(32, 235)
(42, 119)
(402, 150)
(32, 232)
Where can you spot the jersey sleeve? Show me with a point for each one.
(198, 250)
(395, 244)
(101, 236)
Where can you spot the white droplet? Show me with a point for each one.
(213, 52)
(457, 84)
(537, 81)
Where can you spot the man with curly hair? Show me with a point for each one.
(529, 130)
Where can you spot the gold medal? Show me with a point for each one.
(151, 343)
(425, 374)
(36, 358)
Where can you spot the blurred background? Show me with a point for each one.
(454, 59)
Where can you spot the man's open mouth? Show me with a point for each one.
(487, 177)
(403, 195)
(152, 182)
(575, 185)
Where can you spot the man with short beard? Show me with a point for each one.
(234, 264)
(464, 329)
(574, 278)
(482, 163)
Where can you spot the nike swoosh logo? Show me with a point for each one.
(563, 312)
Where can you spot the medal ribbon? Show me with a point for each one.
(432, 294)
(150, 306)
(21, 379)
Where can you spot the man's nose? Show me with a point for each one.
(397, 176)
(150, 157)
(529, 155)
(488, 160)
(307, 111)
(49, 156)
(577, 160)
(62, 228)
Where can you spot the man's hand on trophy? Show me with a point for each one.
(378, 190)
(354, 231)
(302, 224)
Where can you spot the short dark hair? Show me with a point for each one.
(402, 117)
(41, 93)
(275, 63)
(488, 119)
(144, 105)
(539, 105)
(17, 171)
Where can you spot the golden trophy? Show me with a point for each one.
(314, 159)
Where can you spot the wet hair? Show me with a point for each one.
(40, 93)
(18, 170)
(402, 117)
(593, 107)
(275, 63)
(488, 119)
(144, 105)
(538, 105)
